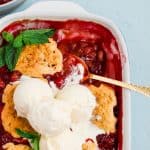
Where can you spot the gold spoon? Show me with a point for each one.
(139, 89)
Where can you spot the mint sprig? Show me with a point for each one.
(10, 53)
(33, 138)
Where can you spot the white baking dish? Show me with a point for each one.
(9, 6)
(59, 10)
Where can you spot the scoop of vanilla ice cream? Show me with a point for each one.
(50, 117)
(81, 99)
(71, 139)
(63, 120)
(29, 92)
(48, 143)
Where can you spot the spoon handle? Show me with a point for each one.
(140, 89)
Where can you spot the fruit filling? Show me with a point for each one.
(4, 1)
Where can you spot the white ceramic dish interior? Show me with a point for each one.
(9, 6)
(62, 10)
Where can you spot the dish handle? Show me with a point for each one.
(66, 7)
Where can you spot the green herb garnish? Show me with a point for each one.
(33, 138)
(10, 53)
(2, 55)
(7, 36)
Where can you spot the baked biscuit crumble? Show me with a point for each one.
(10, 120)
(89, 146)
(36, 60)
(12, 146)
(106, 100)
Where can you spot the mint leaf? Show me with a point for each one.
(48, 32)
(26, 134)
(17, 54)
(40, 39)
(18, 42)
(7, 36)
(37, 36)
(9, 56)
(2, 59)
(35, 143)
(34, 138)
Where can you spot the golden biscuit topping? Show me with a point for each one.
(12, 146)
(9, 117)
(89, 146)
(106, 100)
(36, 60)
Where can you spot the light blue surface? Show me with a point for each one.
(133, 19)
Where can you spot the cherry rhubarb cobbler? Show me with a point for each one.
(39, 54)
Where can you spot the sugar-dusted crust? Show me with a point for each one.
(12, 146)
(89, 146)
(106, 100)
(36, 60)
(10, 121)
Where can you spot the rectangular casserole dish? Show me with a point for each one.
(61, 10)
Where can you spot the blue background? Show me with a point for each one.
(133, 19)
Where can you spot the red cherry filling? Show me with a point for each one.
(6, 138)
(4, 1)
(73, 71)
(89, 139)
(5, 78)
(107, 141)
(89, 51)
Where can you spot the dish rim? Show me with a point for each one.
(6, 7)
(9, 3)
